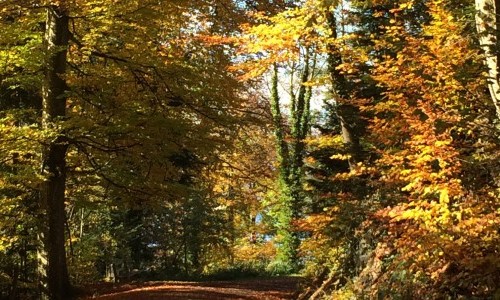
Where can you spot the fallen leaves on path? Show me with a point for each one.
(254, 289)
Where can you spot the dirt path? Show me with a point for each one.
(255, 289)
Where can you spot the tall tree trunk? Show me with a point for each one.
(300, 116)
(347, 113)
(52, 253)
(487, 14)
(286, 250)
(279, 131)
(291, 155)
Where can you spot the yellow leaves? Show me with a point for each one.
(407, 5)
(280, 38)
(96, 10)
(284, 29)
(348, 68)
(432, 161)
(340, 156)
(6, 242)
(410, 214)
(436, 219)
(325, 141)
(443, 197)
(277, 40)
(403, 6)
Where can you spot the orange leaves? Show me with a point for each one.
(316, 223)
(421, 85)
(255, 252)
(438, 240)
(211, 40)
(440, 223)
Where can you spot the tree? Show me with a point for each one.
(347, 112)
(110, 84)
(400, 34)
(52, 193)
(291, 155)
(302, 35)
(129, 146)
(293, 58)
(487, 12)
(428, 162)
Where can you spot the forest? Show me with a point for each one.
(353, 144)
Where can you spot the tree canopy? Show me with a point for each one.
(353, 143)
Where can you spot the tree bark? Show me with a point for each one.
(347, 113)
(52, 255)
(487, 12)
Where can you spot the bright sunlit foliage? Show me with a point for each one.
(154, 140)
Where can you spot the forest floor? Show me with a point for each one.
(248, 289)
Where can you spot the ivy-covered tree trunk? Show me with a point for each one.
(487, 12)
(286, 250)
(279, 132)
(54, 277)
(291, 156)
(347, 113)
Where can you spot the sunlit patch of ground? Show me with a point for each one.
(254, 289)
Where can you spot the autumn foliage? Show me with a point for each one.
(418, 218)
(442, 228)
(354, 143)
